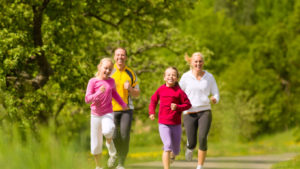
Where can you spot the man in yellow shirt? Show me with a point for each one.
(127, 87)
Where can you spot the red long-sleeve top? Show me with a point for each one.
(166, 96)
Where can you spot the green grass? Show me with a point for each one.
(46, 150)
(40, 152)
(291, 164)
(145, 143)
(149, 146)
(269, 144)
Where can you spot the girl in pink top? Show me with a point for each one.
(100, 91)
(173, 101)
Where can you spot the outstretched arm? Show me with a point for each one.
(153, 102)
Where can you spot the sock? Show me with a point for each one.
(111, 148)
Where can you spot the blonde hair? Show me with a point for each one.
(189, 59)
(101, 62)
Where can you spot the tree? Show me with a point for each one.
(50, 48)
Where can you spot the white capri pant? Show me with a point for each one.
(101, 126)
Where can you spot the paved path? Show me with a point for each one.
(245, 162)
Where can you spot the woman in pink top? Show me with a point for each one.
(173, 101)
(100, 91)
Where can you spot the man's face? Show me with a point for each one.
(120, 56)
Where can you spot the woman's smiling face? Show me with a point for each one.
(197, 62)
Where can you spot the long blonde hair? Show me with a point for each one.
(101, 62)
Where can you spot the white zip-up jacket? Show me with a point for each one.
(199, 91)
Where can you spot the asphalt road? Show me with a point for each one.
(243, 162)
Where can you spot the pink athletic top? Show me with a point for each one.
(166, 96)
(101, 101)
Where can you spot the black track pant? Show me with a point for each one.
(193, 122)
(122, 133)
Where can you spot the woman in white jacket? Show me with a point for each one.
(201, 89)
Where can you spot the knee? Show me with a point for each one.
(167, 146)
(191, 144)
(203, 143)
(191, 147)
(123, 136)
(202, 140)
(108, 132)
(203, 147)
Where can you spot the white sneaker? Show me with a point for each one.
(120, 167)
(199, 167)
(111, 161)
(189, 154)
(111, 149)
(99, 167)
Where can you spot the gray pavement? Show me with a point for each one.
(243, 162)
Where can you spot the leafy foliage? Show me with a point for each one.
(49, 49)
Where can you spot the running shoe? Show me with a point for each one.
(189, 154)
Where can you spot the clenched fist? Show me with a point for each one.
(102, 89)
(213, 99)
(173, 106)
(152, 117)
(126, 85)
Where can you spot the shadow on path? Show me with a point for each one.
(244, 162)
(142, 167)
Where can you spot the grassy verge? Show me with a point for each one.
(291, 164)
(45, 151)
(269, 144)
(146, 146)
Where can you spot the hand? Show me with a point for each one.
(173, 106)
(152, 117)
(213, 99)
(127, 85)
(125, 108)
(102, 88)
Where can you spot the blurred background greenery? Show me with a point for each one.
(49, 50)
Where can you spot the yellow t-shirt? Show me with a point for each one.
(121, 76)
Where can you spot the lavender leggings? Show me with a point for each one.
(170, 136)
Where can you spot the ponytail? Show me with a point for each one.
(187, 58)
